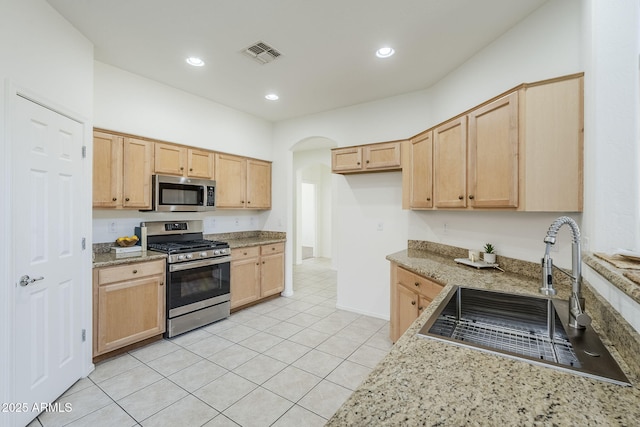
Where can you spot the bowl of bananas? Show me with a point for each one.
(127, 241)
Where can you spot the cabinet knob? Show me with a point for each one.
(257, 263)
(428, 199)
(413, 303)
(161, 283)
(263, 262)
(248, 201)
(460, 197)
(242, 201)
(367, 161)
(190, 169)
(358, 163)
(135, 271)
(417, 283)
(420, 308)
(114, 199)
(181, 168)
(127, 199)
(244, 253)
(273, 249)
(471, 197)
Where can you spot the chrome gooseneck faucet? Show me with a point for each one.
(577, 317)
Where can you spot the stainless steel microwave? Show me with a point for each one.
(180, 194)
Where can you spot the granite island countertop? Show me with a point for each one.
(427, 382)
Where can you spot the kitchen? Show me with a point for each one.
(115, 99)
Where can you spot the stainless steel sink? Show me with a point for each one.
(528, 328)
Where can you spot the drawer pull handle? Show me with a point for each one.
(471, 197)
(417, 283)
(127, 199)
(257, 263)
(114, 199)
(273, 249)
(135, 271)
(413, 303)
(460, 197)
(161, 283)
(245, 253)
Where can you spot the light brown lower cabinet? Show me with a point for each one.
(410, 294)
(256, 272)
(128, 304)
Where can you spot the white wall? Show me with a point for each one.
(43, 54)
(546, 44)
(133, 104)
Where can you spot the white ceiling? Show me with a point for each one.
(327, 46)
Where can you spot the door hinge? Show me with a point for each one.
(84, 151)
(84, 335)
(84, 243)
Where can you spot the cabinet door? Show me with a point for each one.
(422, 171)
(129, 312)
(272, 274)
(346, 159)
(200, 164)
(258, 184)
(382, 156)
(450, 164)
(137, 170)
(107, 170)
(245, 281)
(169, 159)
(407, 308)
(493, 154)
(231, 181)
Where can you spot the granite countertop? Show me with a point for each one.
(427, 382)
(103, 257)
(250, 238)
(109, 259)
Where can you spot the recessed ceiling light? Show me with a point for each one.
(196, 62)
(272, 97)
(385, 52)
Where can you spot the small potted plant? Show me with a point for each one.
(489, 255)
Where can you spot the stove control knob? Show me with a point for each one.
(203, 254)
(216, 252)
(180, 257)
(189, 256)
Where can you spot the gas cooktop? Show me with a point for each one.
(187, 246)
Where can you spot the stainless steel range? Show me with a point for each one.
(198, 274)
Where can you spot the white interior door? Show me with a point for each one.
(46, 208)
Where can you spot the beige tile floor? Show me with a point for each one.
(286, 362)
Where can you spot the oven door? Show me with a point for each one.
(197, 284)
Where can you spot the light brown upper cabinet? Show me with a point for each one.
(421, 170)
(384, 156)
(551, 137)
(122, 169)
(183, 161)
(450, 164)
(242, 183)
(493, 154)
(522, 150)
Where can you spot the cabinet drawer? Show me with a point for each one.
(425, 287)
(271, 249)
(130, 271)
(244, 253)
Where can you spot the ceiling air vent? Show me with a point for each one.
(262, 53)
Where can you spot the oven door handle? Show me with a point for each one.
(198, 263)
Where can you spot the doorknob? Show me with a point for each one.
(26, 280)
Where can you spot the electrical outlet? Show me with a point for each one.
(445, 228)
(252, 221)
(380, 226)
(237, 222)
(113, 228)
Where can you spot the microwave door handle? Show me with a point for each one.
(199, 263)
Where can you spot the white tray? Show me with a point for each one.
(476, 264)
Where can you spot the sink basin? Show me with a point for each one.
(529, 328)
